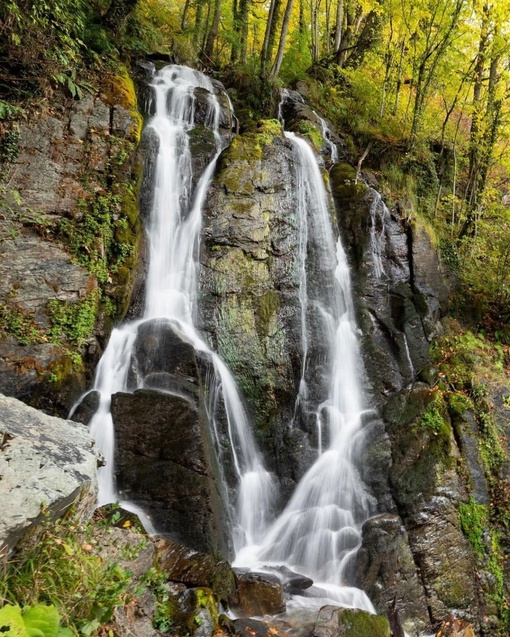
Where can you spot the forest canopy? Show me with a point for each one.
(423, 85)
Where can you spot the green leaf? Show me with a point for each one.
(41, 621)
(11, 622)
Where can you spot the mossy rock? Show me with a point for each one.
(202, 141)
(250, 145)
(349, 622)
(311, 131)
(120, 90)
(343, 183)
(192, 609)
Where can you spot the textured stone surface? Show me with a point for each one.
(193, 568)
(32, 272)
(428, 490)
(258, 594)
(67, 155)
(166, 463)
(387, 572)
(249, 284)
(46, 464)
(166, 460)
(348, 622)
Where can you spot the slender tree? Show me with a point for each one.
(283, 37)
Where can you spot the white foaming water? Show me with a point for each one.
(326, 135)
(318, 533)
(171, 291)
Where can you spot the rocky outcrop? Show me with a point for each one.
(68, 239)
(166, 460)
(387, 572)
(46, 464)
(397, 284)
(192, 568)
(428, 490)
(249, 279)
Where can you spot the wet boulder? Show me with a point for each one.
(193, 568)
(167, 464)
(86, 408)
(349, 622)
(258, 594)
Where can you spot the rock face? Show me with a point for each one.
(68, 231)
(166, 460)
(397, 285)
(196, 569)
(249, 283)
(428, 490)
(387, 572)
(46, 464)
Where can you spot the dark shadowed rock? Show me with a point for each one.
(290, 580)
(86, 408)
(258, 594)
(166, 462)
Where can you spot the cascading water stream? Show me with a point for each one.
(319, 530)
(173, 233)
(318, 533)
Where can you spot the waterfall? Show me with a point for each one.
(379, 216)
(173, 233)
(319, 531)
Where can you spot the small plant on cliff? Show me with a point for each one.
(73, 321)
(19, 324)
(473, 520)
(33, 621)
(157, 582)
(66, 569)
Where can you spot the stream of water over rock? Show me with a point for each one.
(318, 533)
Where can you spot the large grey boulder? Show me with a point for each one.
(46, 464)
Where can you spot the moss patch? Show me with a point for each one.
(357, 623)
(343, 183)
(311, 132)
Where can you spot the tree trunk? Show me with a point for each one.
(213, 32)
(270, 34)
(283, 37)
(339, 25)
(200, 20)
(184, 14)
